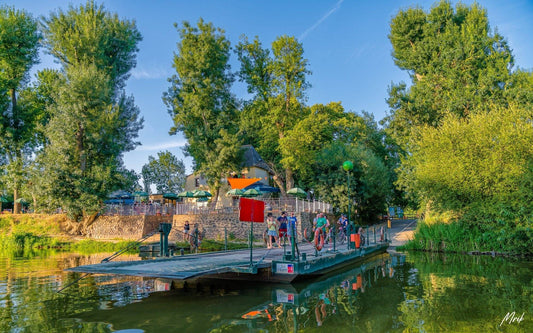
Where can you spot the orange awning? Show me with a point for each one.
(241, 183)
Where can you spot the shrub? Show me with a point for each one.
(459, 236)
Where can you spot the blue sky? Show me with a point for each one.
(345, 42)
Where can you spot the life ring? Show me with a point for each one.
(305, 235)
(319, 245)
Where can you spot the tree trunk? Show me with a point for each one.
(80, 228)
(34, 200)
(289, 178)
(16, 185)
(16, 205)
(279, 181)
(215, 196)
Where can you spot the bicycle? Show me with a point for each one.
(341, 236)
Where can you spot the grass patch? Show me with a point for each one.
(211, 245)
(28, 223)
(33, 232)
(89, 246)
(28, 240)
(459, 236)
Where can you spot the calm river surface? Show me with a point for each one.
(389, 293)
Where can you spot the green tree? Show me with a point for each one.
(200, 101)
(19, 46)
(279, 84)
(166, 172)
(480, 167)
(92, 121)
(318, 145)
(255, 71)
(90, 34)
(457, 65)
(302, 144)
(369, 180)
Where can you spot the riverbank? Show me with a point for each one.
(469, 238)
(41, 231)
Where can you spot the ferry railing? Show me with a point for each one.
(297, 205)
(370, 235)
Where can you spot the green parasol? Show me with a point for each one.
(170, 195)
(236, 192)
(297, 192)
(251, 193)
(186, 194)
(202, 194)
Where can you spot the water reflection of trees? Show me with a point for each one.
(30, 302)
(428, 292)
(348, 299)
(460, 293)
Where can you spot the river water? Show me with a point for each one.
(418, 292)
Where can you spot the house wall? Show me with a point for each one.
(190, 183)
(255, 172)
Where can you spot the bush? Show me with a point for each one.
(459, 236)
(27, 240)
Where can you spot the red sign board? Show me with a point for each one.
(252, 210)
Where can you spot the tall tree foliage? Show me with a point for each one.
(92, 121)
(278, 83)
(166, 172)
(309, 144)
(480, 167)
(302, 144)
(465, 121)
(370, 186)
(456, 63)
(200, 101)
(19, 43)
(89, 34)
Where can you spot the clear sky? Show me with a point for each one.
(345, 42)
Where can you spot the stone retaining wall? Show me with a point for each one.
(125, 227)
(215, 226)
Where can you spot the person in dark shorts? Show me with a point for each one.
(282, 222)
(186, 230)
(292, 228)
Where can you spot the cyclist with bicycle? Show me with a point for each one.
(342, 224)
